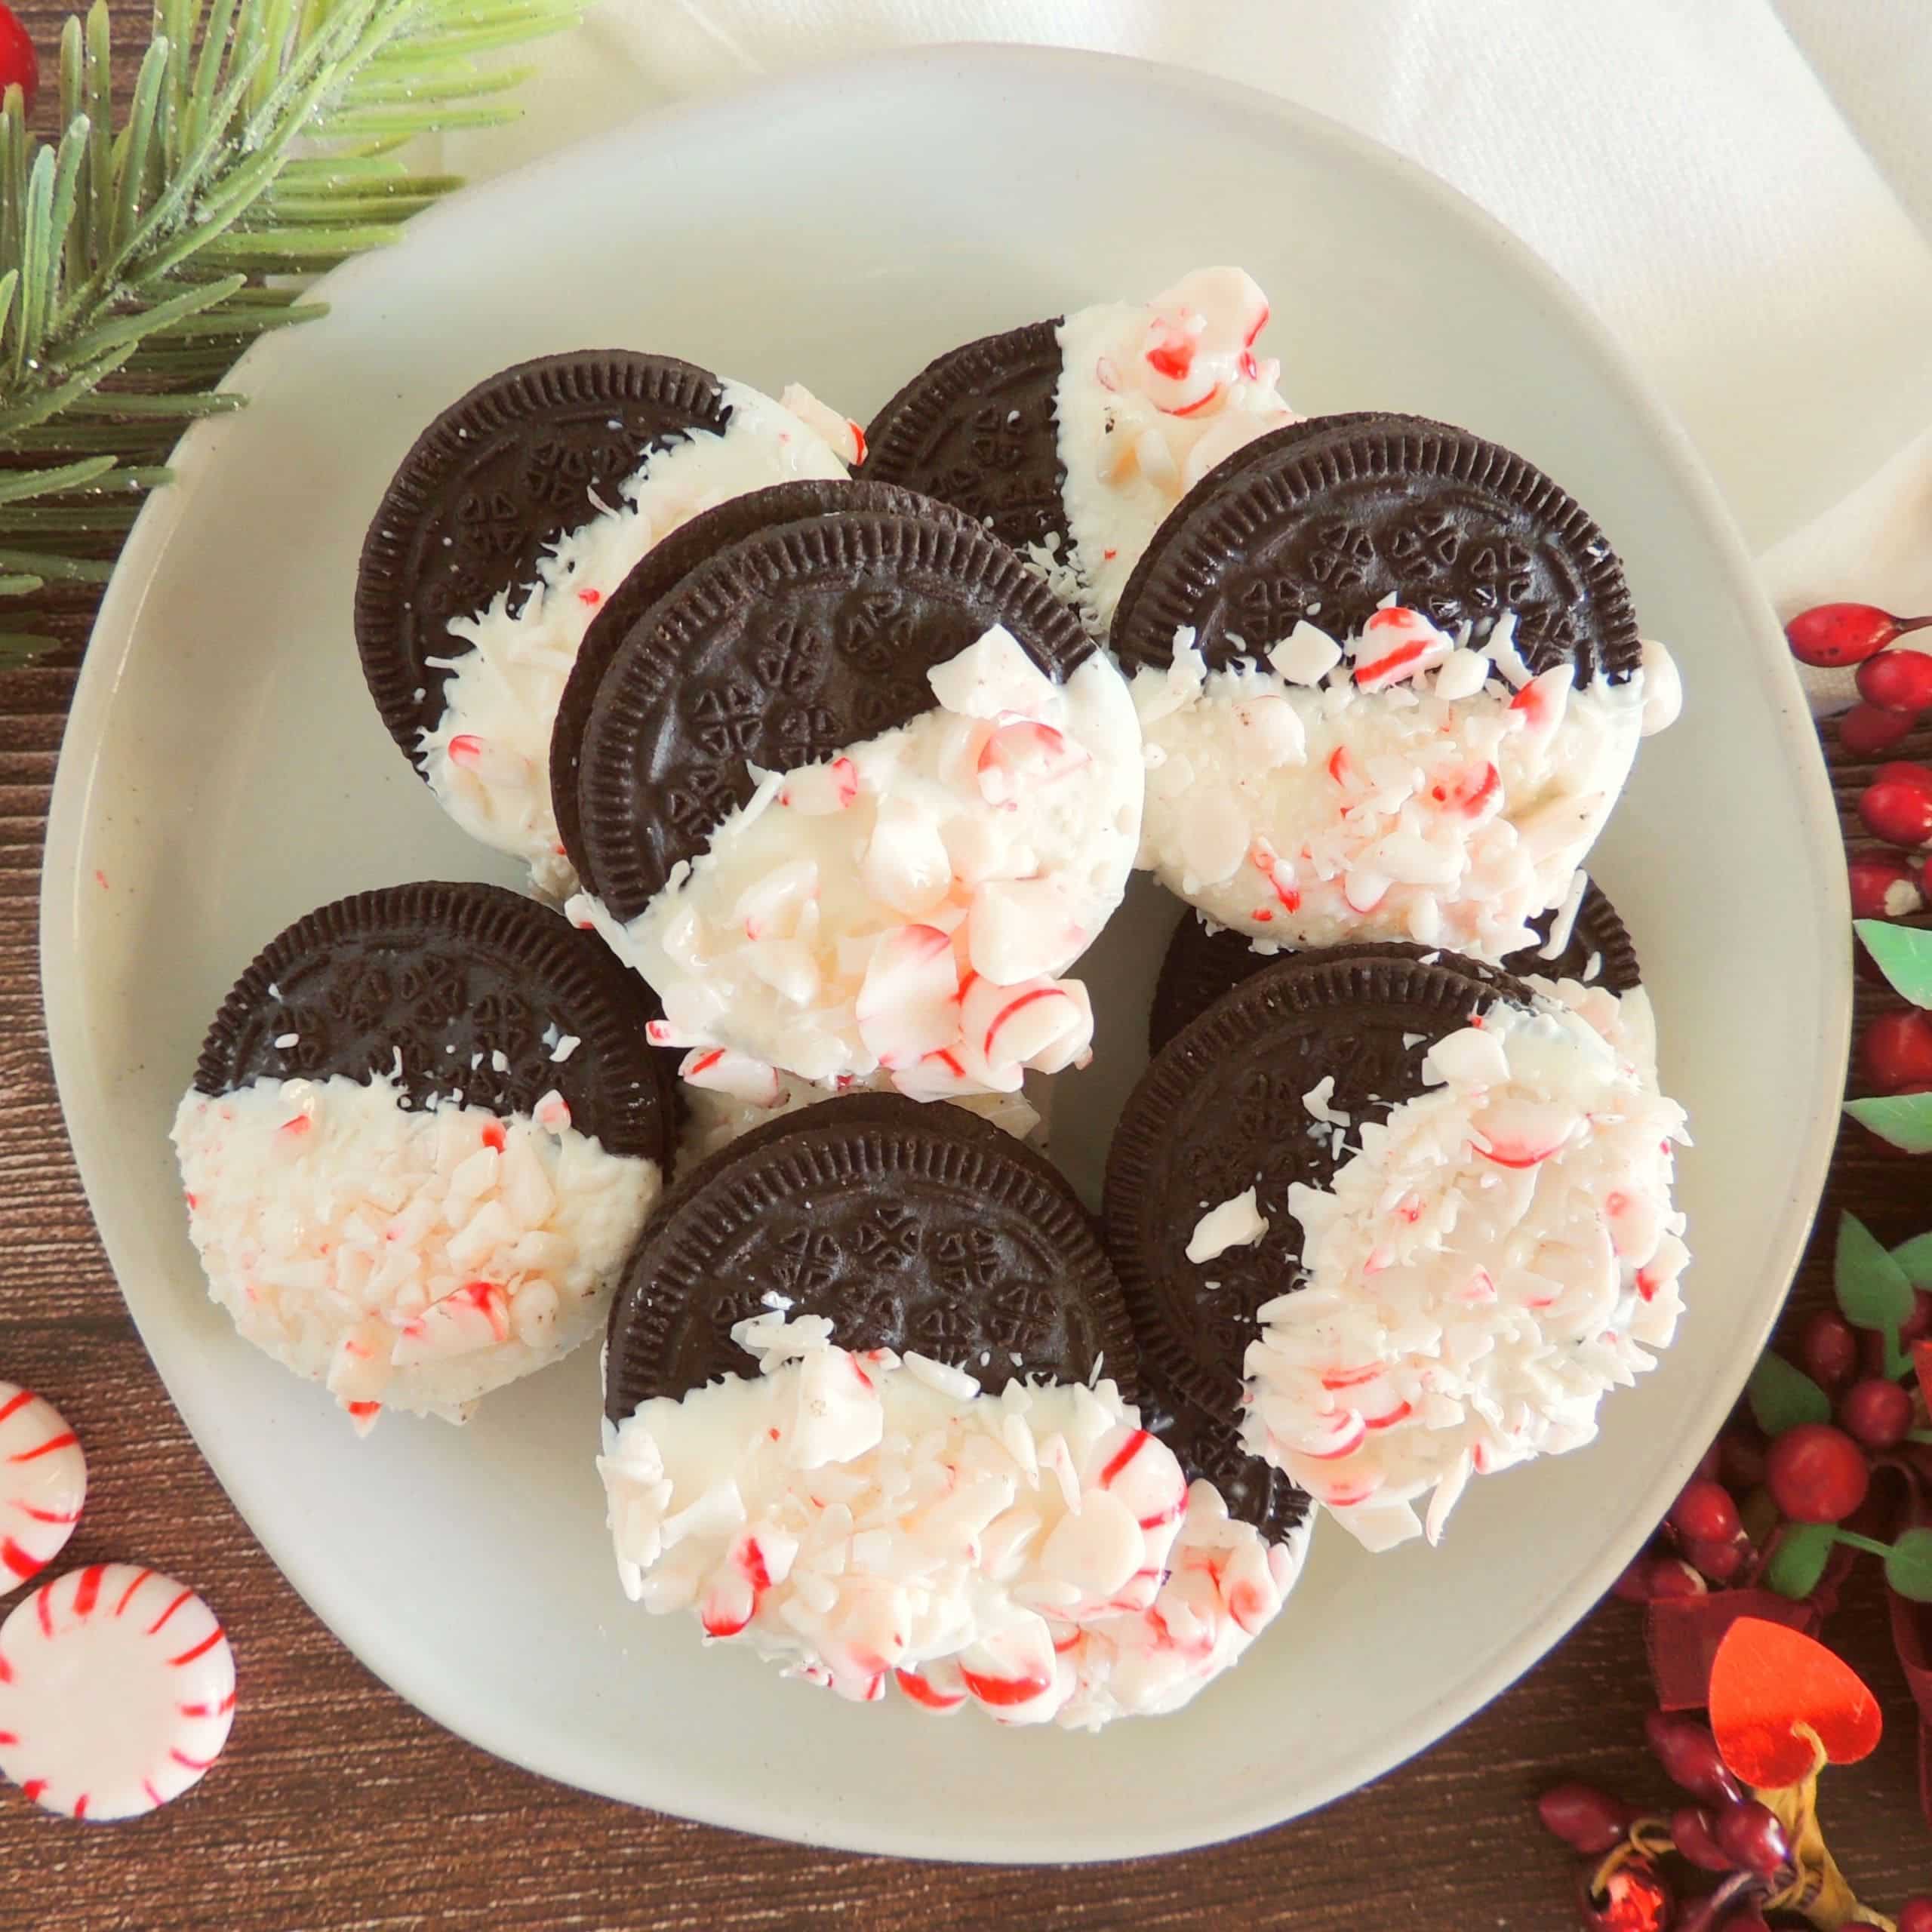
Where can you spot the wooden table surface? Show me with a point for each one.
(337, 1806)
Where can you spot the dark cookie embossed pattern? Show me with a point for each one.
(1326, 519)
(779, 651)
(442, 973)
(976, 428)
(525, 457)
(1202, 962)
(661, 568)
(1220, 1110)
(915, 1228)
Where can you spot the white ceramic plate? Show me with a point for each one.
(224, 771)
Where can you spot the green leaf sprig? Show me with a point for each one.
(262, 144)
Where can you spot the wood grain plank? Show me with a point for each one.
(339, 1809)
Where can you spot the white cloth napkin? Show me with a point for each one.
(1742, 188)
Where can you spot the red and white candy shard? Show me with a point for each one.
(405, 1257)
(1151, 395)
(117, 1690)
(1501, 1252)
(488, 758)
(1388, 787)
(876, 1521)
(1225, 1585)
(43, 1485)
(907, 908)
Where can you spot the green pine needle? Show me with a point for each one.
(261, 138)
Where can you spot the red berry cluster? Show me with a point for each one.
(1719, 1830)
(1895, 1051)
(1726, 1526)
(1895, 685)
(1626, 1887)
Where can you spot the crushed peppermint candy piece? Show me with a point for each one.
(1236, 1223)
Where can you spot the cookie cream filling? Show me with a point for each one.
(908, 904)
(1501, 1251)
(488, 759)
(1151, 395)
(874, 1521)
(409, 1258)
(1392, 788)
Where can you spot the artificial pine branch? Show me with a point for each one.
(261, 139)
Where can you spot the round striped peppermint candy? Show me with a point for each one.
(117, 1689)
(43, 1482)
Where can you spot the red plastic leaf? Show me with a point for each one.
(1921, 1360)
(1766, 1681)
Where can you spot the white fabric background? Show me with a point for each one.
(1742, 188)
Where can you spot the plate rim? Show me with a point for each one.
(116, 627)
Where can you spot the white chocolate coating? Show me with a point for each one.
(908, 906)
(1394, 792)
(1501, 1252)
(410, 1258)
(1151, 395)
(874, 1520)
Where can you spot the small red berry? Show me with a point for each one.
(1897, 806)
(1895, 1050)
(1865, 731)
(1689, 1754)
(1755, 1840)
(1586, 1818)
(1876, 1413)
(1691, 1829)
(1669, 1577)
(1719, 1561)
(1917, 1324)
(1830, 636)
(1827, 1352)
(1634, 1898)
(1897, 681)
(1883, 886)
(1704, 1513)
(1817, 1473)
(1743, 1451)
(1915, 1915)
(20, 65)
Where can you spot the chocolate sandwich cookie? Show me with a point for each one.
(918, 1229)
(975, 428)
(450, 990)
(533, 453)
(781, 651)
(1221, 1110)
(1203, 962)
(424, 1133)
(1329, 518)
(629, 608)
